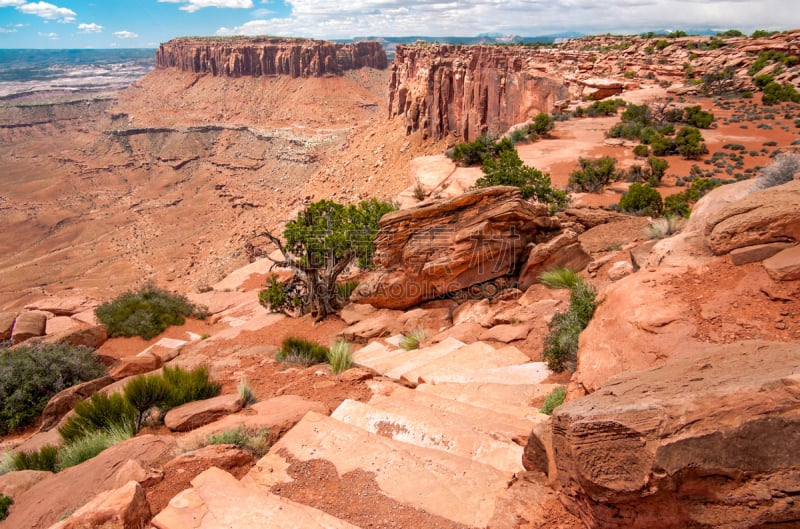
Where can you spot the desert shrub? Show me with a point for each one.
(542, 124)
(689, 143)
(507, 169)
(411, 340)
(641, 199)
(146, 392)
(475, 152)
(90, 445)
(677, 205)
(246, 393)
(641, 150)
(100, 412)
(697, 117)
(188, 386)
(593, 175)
(146, 312)
(31, 374)
(560, 278)
(781, 171)
(46, 458)
(761, 33)
(658, 167)
(339, 356)
(762, 80)
(561, 342)
(516, 136)
(300, 351)
(5, 503)
(606, 107)
(776, 93)
(665, 227)
(553, 400)
(281, 297)
(255, 441)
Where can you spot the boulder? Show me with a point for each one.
(377, 325)
(122, 508)
(226, 457)
(62, 306)
(563, 251)
(59, 324)
(763, 216)
(758, 252)
(93, 336)
(28, 325)
(62, 402)
(6, 324)
(785, 265)
(506, 333)
(707, 440)
(60, 494)
(13, 484)
(135, 365)
(426, 252)
(193, 414)
(619, 270)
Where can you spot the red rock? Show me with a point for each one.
(13, 484)
(619, 270)
(135, 365)
(759, 252)
(6, 324)
(563, 251)
(122, 508)
(706, 440)
(28, 325)
(92, 337)
(61, 306)
(591, 217)
(506, 333)
(59, 324)
(262, 56)
(785, 265)
(425, 252)
(62, 402)
(226, 457)
(193, 414)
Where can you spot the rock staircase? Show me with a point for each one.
(443, 433)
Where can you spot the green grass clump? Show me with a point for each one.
(300, 351)
(561, 343)
(553, 400)
(46, 458)
(100, 412)
(31, 375)
(146, 392)
(560, 278)
(255, 441)
(339, 356)
(92, 444)
(146, 312)
(5, 503)
(411, 341)
(188, 386)
(665, 227)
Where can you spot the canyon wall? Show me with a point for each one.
(260, 56)
(468, 90)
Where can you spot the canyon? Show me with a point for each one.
(683, 409)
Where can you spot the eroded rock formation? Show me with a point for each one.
(260, 56)
(468, 90)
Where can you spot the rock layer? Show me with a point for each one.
(261, 56)
(704, 441)
(468, 90)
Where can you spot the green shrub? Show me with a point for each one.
(5, 503)
(146, 312)
(561, 343)
(189, 386)
(775, 93)
(542, 124)
(255, 441)
(31, 374)
(762, 80)
(507, 169)
(339, 356)
(100, 412)
(553, 400)
(658, 167)
(697, 117)
(593, 175)
(300, 351)
(246, 393)
(411, 340)
(560, 278)
(475, 152)
(146, 392)
(761, 33)
(46, 458)
(641, 150)
(677, 205)
(689, 143)
(90, 445)
(641, 199)
(516, 136)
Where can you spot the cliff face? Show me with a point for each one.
(268, 56)
(468, 90)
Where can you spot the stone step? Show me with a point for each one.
(436, 429)
(218, 500)
(370, 352)
(401, 360)
(520, 400)
(453, 487)
(530, 373)
(478, 356)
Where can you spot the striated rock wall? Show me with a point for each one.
(262, 56)
(468, 90)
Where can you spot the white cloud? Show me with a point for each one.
(48, 11)
(126, 34)
(10, 3)
(51, 35)
(6, 30)
(327, 19)
(90, 28)
(195, 5)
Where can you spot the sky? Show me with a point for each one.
(146, 23)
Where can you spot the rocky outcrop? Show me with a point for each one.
(430, 251)
(468, 90)
(261, 56)
(193, 414)
(28, 325)
(62, 402)
(122, 508)
(704, 441)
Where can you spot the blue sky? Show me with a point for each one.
(146, 23)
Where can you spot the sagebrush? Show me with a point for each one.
(299, 351)
(561, 343)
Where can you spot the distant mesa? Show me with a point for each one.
(266, 56)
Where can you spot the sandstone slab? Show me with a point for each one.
(7, 324)
(785, 265)
(706, 440)
(14, 483)
(122, 508)
(92, 336)
(506, 333)
(135, 365)
(198, 413)
(758, 252)
(28, 325)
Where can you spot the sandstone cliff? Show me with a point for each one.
(468, 90)
(262, 56)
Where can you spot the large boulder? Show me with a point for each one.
(6, 324)
(87, 336)
(767, 215)
(785, 265)
(122, 508)
(28, 325)
(193, 414)
(429, 251)
(563, 251)
(709, 440)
